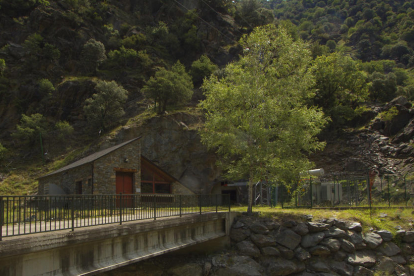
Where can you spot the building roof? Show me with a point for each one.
(91, 158)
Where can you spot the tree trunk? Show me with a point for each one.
(250, 194)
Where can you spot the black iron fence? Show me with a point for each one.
(22, 215)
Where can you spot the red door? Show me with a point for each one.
(124, 186)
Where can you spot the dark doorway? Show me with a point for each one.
(232, 193)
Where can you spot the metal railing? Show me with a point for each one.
(22, 215)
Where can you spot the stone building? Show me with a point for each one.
(118, 169)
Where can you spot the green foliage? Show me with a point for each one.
(383, 87)
(2, 66)
(105, 107)
(169, 87)
(39, 51)
(257, 119)
(23, 4)
(93, 54)
(3, 151)
(31, 127)
(340, 86)
(64, 130)
(389, 114)
(201, 68)
(46, 88)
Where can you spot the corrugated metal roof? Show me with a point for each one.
(91, 158)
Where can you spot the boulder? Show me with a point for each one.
(335, 232)
(319, 250)
(363, 258)
(389, 249)
(288, 238)
(317, 226)
(409, 236)
(286, 252)
(318, 265)
(355, 226)
(272, 225)
(239, 234)
(399, 259)
(263, 240)
(301, 254)
(362, 271)
(239, 266)
(347, 246)
(282, 267)
(332, 244)
(312, 239)
(248, 248)
(238, 225)
(340, 256)
(270, 251)
(289, 223)
(385, 265)
(259, 228)
(301, 229)
(187, 270)
(341, 224)
(342, 268)
(385, 235)
(372, 240)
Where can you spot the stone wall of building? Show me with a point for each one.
(67, 180)
(126, 157)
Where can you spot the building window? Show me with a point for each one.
(153, 183)
(78, 187)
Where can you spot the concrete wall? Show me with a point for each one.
(92, 250)
(104, 174)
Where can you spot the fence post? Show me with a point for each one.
(199, 201)
(229, 203)
(120, 209)
(73, 214)
(217, 202)
(311, 191)
(180, 207)
(405, 193)
(155, 208)
(389, 193)
(1, 217)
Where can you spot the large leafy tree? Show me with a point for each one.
(257, 119)
(31, 127)
(105, 107)
(169, 87)
(340, 85)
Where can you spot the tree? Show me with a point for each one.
(104, 108)
(257, 119)
(31, 127)
(201, 68)
(169, 87)
(2, 66)
(93, 54)
(340, 86)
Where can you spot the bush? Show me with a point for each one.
(104, 108)
(2, 66)
(3, 151)
(64, 130)
(201, 68)
(31, 127)
(169, 87)
(93, 54)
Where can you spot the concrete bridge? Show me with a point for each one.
(92, 250)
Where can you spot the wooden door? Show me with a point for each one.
(124, 186)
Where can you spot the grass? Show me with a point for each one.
(369, 220)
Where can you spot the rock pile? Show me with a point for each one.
(330, 247)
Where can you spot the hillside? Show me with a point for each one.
(54, 53)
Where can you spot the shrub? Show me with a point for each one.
(201, 68)
(31, 127)
(93, 54)
(104, 108)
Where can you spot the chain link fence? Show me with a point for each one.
(346, 191)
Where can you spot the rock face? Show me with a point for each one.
(317, 248)
(172, 145)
